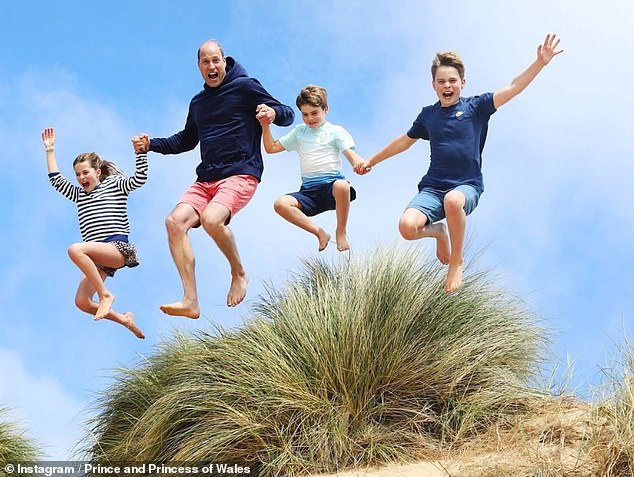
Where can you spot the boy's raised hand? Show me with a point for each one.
(548, 50)
(48, 138)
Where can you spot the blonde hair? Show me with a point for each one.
(447, 58)
(107, 168)
(312, 95)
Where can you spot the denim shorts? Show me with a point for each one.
(430, 201)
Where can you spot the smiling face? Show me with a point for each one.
(448, 85)
(313, 116)
(212, 64)
(87, 176)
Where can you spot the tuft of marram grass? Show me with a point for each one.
(613, 443)
(15, 446)
(358, 362)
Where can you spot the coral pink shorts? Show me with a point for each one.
(233, 192)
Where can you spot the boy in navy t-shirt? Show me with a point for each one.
(456, 129)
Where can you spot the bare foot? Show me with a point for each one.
(454, 278)
(105, 304)
(182, 308)
(342, 242)
(129, 324)
(443, 250)
(324, 238)
(238, 289)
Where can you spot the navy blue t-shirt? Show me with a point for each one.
(456, 138)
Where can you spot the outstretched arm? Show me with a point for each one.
(48, 138)
(545, 52)
(398, 145)
(271, 146)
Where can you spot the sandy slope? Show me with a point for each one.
(421, 469)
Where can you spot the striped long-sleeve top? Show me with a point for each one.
(103, 212)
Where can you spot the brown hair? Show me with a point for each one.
(107, 168)
(314, 96)
(447, 58)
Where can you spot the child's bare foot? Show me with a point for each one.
(443, 250)
(238, 289)
(105, 304)
(454, 277)
(342, 242)
(182, 308)
(129, 324)
(324, 238)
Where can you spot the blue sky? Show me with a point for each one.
(555, 221)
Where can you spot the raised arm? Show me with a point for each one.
(48, 138)
(545, 53)
(353, 158)
(271, 145)
(399, 144)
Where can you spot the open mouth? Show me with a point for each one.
(212, 76)
(447, 94)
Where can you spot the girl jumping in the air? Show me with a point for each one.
(103, 222)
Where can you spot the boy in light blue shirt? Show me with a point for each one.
(319, 145)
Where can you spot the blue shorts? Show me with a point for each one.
(318, 198)
(430, 202)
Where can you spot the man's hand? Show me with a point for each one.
(141, 143)
(265, 114)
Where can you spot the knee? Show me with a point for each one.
(174, 226)
(407, 228)
(83, 303)
(211, 226)
(74, 250)
(341, 187)
(453, 202)
(282, 204)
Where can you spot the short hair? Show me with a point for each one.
(215, 42)
(107, 168)
(314, 96)
(447, 58)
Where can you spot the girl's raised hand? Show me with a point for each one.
(48, 138)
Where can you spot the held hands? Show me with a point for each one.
(48, 138)
(362, 167)
(141, 143)
(265, 114)
(548, 50)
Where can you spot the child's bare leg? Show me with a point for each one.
(85, 255)
(84, 301)
(288, 208)
(454, 203)
(413, 226)
(341, 193)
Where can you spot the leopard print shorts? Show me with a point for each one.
(128, 250)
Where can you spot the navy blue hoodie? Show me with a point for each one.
(223, 120)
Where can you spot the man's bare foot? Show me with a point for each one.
(443, 250)
(182, 308)
(454, 278)
(238, 289)
(342, 242)
(129, 324)
(105, 304)
(324, 238)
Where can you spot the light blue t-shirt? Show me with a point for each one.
(319, 151)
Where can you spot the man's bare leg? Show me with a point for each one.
(85, 303)
(288, 208)
(454, 203)
(413, 226)
(341, 193)
(213, 220)
(178, 224)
